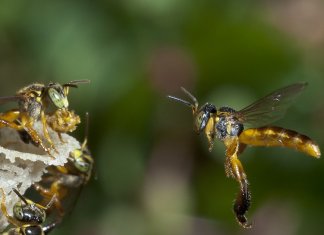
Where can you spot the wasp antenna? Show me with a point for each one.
(50, 203)
(74, 83)
(181, 101)
(192, 97)
(81, 81)
(86, 132)
(20, 196)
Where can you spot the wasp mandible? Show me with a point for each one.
(227, 125)
(28, 216)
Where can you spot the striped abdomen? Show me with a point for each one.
(277, 136)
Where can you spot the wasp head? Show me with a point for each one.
(27, 211)
(202, 115)
(58, 93)
(81, 159)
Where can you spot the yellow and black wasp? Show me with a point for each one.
(227, 125)
(34, 103)
(63, 179)
(28, 217)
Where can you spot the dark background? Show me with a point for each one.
(153, 174)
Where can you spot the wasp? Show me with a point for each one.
(227, 125)
(73, 175)
(34, 103)
(28, 217)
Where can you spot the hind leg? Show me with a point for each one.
(234, 168)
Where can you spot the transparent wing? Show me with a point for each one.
(271, 107)
(6, 99)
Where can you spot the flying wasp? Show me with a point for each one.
(34, 103)
(73, 175)
(28, 217)
(227, 125)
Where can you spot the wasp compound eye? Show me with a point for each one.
(203, 116)
(209, 108)
(18, 212)
(58, 98)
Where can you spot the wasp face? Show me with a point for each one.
(80, 161)
(58, 95)
(29, 213)
(203, 116)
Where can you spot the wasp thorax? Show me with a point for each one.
(33, 230)
(203, 115)
(227, 125)
(57, 96)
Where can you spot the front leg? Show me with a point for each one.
(45, 131)
(4, 211)
(234, 168)
(52, 194)
(210, 133)
(24, 126)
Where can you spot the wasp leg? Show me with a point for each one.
(61, 138)
(5, 212)
(52, 194)
(234, 168)
(33, 134)
(48, 228)
(45, 131)
(37, 140)
(62, 169)
(8, 120)
(210, 133)
(277, 136)
(10, 116)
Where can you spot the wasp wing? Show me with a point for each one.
(271, 107)
(6, 99)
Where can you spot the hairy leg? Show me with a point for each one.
(234, 168)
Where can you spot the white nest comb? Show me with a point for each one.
(23, 164)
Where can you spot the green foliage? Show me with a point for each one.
(137, 52)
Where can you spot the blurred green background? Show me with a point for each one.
(153, 174)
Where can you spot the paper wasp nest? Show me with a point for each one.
(23, 164)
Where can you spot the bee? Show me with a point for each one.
(73, 175)
(28, 217)
(227, 125)
(34, 103)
